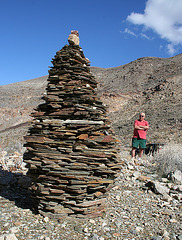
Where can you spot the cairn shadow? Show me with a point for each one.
(14, 187)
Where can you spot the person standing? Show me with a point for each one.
(139, 137)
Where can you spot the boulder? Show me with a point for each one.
(157, 187)
(176, 176)
(10, 236)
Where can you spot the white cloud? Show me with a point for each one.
(171, 49)
(143, 35)
(164, 17)
(130, 32)
(161, 47)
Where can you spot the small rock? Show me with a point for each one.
(139, 229)
(170, 185)
(17, 223)
(165, 235)
(85, 230)
(73, 38)
(178, 197)
(115, 188)
(166, 197)
(127, 192)
(179, 237)
(107, 229)
(118, 197)
(14, 229)
(165, 180)
(178, 188)
(64, 224)
(95, 237)
(6, 224)
(130, 167)
(135, 175)
(46, 219)
(143, 178)
(116, 234)
(92, 221)
(173, 220)
(158, 187)
(157, 238)
(176, 177)
(8, 237)
(133, 231)
(41, 237)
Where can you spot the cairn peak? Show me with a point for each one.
(73, 38)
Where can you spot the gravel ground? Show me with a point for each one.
(133, 212)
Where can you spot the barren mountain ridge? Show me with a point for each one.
(151, 85)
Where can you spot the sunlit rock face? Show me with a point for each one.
(73, 38)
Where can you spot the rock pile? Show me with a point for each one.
(12, 163)
(71, 150)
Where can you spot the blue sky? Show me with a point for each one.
(112, 32)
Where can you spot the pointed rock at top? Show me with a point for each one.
(73, 38)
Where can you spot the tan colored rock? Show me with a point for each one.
(143, 178)
(73, 38)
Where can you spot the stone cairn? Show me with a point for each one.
(71, 150)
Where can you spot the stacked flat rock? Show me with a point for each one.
(71, 151)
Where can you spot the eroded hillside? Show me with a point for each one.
(152, 85)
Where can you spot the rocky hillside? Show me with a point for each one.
(152, 85)
(17, 101)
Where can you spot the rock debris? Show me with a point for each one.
(134, 211)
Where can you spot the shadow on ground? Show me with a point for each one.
(14, 187)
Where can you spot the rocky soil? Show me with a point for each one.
(141, 205)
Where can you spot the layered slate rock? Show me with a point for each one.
(71, 150)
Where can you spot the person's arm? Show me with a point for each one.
(145, 127)
(138, 127)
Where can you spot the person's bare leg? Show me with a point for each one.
(133, 152)
(140, 153)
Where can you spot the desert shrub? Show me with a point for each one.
(169, 159)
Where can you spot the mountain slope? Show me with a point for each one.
(152, 85)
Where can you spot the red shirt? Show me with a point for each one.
(140, 133)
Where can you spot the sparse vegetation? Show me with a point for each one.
(169, 159)
(12, 140)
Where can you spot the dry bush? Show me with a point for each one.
(169, 159)
(12, 140)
